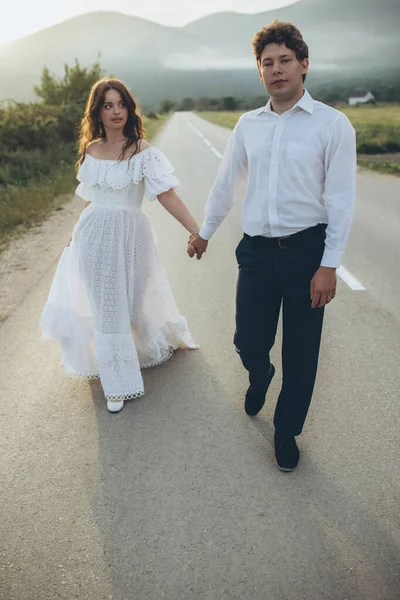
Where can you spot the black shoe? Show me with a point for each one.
(286, 453)
(255, 399)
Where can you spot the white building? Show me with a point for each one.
(361, 98)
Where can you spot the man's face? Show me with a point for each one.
(281, 72)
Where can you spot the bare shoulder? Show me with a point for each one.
(143, 145)
(94, 148)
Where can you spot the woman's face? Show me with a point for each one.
(114, 112)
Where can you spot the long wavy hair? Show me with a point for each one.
(91, 127)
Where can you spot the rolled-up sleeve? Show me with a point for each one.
(340, 189)
(232, 171)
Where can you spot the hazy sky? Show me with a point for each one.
(22, 17)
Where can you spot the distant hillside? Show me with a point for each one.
(341, 34)
(211, 56)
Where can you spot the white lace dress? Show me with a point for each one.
(110, 304)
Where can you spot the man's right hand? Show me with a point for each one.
(196, 246)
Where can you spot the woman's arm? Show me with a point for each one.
(174, 205)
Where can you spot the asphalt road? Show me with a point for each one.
(178, 497)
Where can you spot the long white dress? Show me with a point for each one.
(110, 304)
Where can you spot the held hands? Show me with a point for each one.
(196, 246)
(323, 287)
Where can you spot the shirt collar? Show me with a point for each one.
(305, 103)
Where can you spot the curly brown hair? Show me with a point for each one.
(282, 33)
(91, 128)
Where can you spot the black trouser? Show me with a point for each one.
(274, 271)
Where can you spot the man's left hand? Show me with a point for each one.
(196, 246)
(323, 287)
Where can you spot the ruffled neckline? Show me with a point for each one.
(150, 163)
(115, 160)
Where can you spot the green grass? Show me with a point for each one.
(388, 167)
(225, 119)
(377, 127)
(153, 126)
(386, 114)
(35, 183)
(22, 206)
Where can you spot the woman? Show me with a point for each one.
(110, 305)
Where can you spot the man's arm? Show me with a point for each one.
(232, 170)
(340, 190)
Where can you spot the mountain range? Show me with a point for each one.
(211, 56)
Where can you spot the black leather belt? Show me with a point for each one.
(289, 240)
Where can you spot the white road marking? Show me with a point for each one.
(194, 128)
(343, 273)
(205, 140)
(350, 280)
(216, 152)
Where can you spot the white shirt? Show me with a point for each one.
(291, 162)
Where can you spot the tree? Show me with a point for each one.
(73, 88)
(203, 103)
(229, 103)
(166, 106)
(215, 104)
(187, 104)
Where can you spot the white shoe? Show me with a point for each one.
(115, 406)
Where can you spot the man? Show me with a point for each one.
(294, 151)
